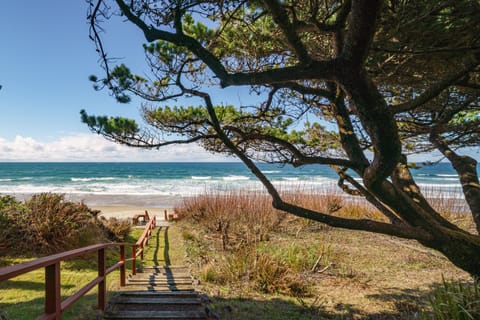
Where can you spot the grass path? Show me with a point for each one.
(164, 248)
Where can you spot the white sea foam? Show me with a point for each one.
(440, 185)
(291, 178)
(271, 171)
(201, 177)
(235, 178)
(439, 178)
(188, 186)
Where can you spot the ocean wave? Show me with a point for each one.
(271, 171)
(92, 179)
(433, 179)
(15, 179)
(201, 177)
(433, 175)
(235, 178)
(452, 186)
(291, 178)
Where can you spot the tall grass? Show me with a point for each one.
(455, 301)
(236, 218)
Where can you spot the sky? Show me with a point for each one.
(46, 58)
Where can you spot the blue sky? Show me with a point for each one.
(46, 57)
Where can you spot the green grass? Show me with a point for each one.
(455, 301)
(165, 248)
(22, 297)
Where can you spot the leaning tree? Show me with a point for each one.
(357, 85)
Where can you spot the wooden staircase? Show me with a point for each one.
(159, 292)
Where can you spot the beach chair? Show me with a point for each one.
(143, 216)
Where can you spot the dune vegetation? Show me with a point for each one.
(255, 262)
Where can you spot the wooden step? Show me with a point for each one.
(160, 276)
(163, 273)
(163, 315)
(163, 269)
(160, 295)
(160, 281)
(151, 288)
(156, 300)
(157, 306)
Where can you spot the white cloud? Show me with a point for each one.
(90, 147)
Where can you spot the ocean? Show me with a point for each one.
(162, 184)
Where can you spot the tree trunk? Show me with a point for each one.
(460, 248)
(466, 168)
(433, 231)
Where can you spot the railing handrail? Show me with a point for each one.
(25, 267)
(54, 306)
(146, 232)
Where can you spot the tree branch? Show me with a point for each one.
(152, 34)
(400, 230)
(434, 90)
(281, 18)
(301, 159)
(315, 70)
(354, 224)
(370, 197)
(361, 28)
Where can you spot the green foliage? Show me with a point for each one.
(468, 116)
(415, 44)
(455, 301)
(115, 126)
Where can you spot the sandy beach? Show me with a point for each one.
(127, 212)
(121, 206)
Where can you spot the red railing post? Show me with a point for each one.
(134, 259)
(102, 285)
(122, 267)
(53, 303)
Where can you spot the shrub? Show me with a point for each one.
(114, 229)
(47, 224)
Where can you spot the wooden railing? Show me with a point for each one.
(54, 306)
(142, 242)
